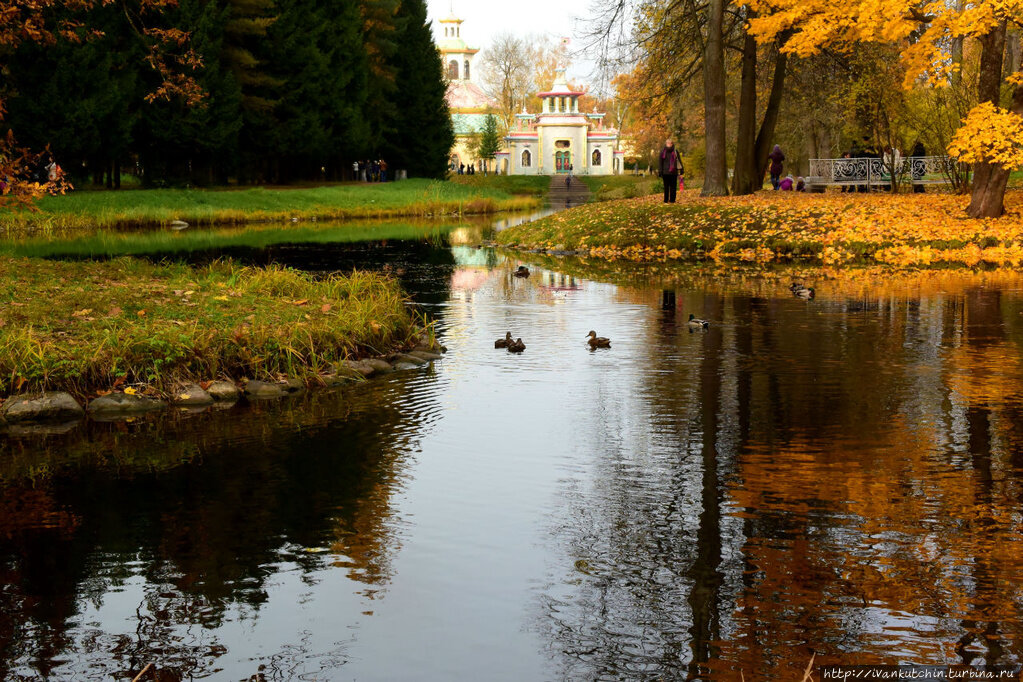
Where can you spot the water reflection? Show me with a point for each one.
(838, 476)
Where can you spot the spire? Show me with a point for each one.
(560, 84)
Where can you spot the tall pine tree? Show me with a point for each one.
(423, 134)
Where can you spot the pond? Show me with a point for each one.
(838, 478)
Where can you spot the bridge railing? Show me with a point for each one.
(913, 170)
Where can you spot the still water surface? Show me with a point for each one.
(842, 476)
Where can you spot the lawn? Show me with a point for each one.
(85, 326)
(137, 207)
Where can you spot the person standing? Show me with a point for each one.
(670, 167)
(776, 157)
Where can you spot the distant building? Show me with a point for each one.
(560, 139)
(468, 103)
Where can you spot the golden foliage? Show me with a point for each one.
(902, 231)
(990, 134)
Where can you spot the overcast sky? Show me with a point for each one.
(486, 18)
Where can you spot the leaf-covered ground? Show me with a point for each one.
(902, 230)
(86, 326)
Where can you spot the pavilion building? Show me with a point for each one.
(468, 103)
(560, 139)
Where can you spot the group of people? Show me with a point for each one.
(464, 170)
(776, 161)
(370, 171)
(672, 171)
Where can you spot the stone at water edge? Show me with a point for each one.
(261, 389)
(381, 366)
(360, 367)
(178, 225)
(123, 404)
(409, 359)
(425, 355)
(191, 395)
(49, 406)
(223, 391)
(292, 386)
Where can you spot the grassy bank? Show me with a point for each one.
(81, 327)
(108, 243)
(528, 185)
(904, 230)
(126, 208)
(611, 187)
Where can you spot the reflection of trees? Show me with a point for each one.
(208, 524)
(839, 476)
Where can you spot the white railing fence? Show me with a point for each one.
(914, 170)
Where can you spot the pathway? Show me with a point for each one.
(562, 196)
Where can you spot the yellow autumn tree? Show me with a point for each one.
(930, 36)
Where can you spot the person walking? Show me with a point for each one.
(776, 157)
(670, 167)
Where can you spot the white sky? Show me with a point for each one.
(486, 18)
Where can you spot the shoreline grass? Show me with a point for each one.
(140, 208)
(83, 327)
(162, 242)
(903, 231)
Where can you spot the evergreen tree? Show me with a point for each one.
(489, 139)
(423, 134)
(196, 145)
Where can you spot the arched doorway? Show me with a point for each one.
(562, 161)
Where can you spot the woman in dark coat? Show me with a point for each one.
(777, 157)
(670, 169)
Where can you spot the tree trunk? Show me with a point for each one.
(117, 174)
(744, 177)
(989, 180)
(765, 138)
(715, 179)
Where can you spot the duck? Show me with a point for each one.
(516, 346)
(801, 291)
(522, 271)
(503, 343)
(697, 323)
(597, 341)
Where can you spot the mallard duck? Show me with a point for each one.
(803, 292)
(516, 346)
(522, 271)
(503, 343)
(697, 323)
(597, 341)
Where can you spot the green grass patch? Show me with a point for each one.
(610, 187)
(81, 327)
(127, 208)
(530, 185)
(108, 243)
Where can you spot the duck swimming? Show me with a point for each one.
(503, 343)
(697, 323)
(522, 271)
(801, 291)
(516, 346)
(597, 341)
